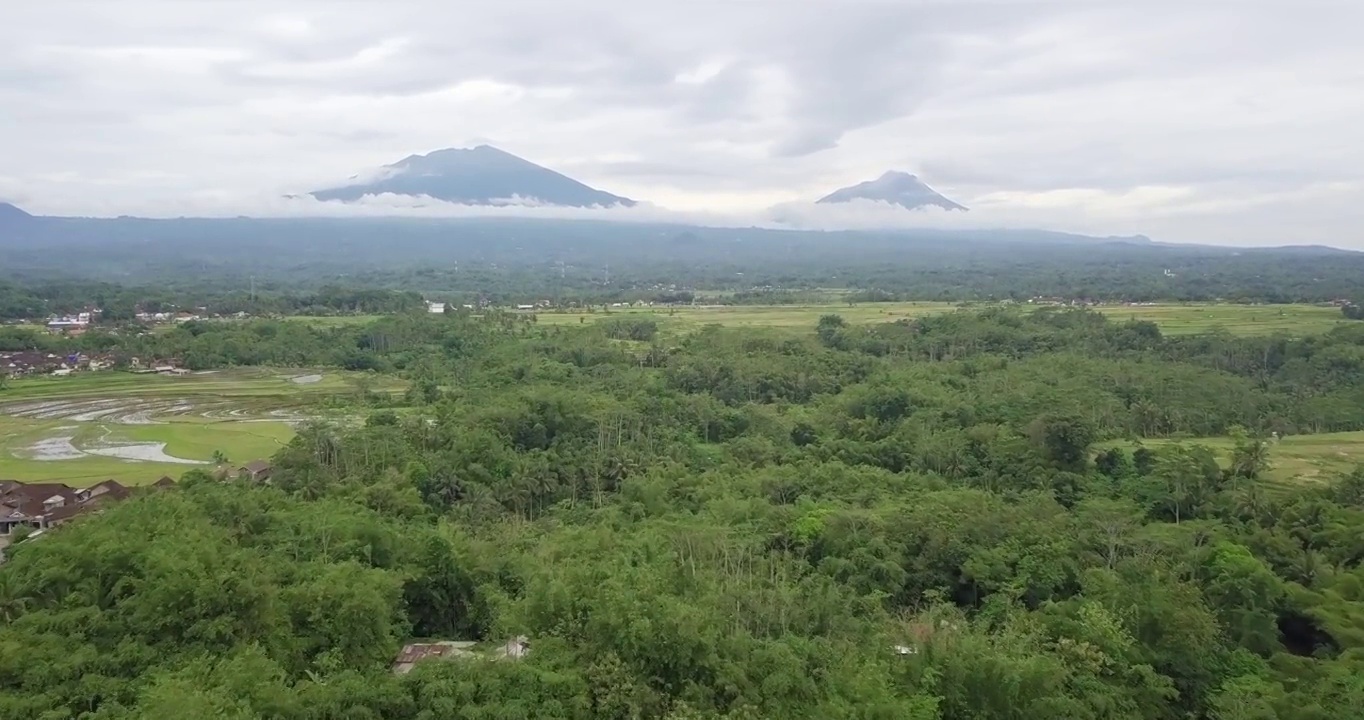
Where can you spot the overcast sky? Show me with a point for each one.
(1238, 123)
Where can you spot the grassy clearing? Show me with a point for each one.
(136, 428)
(326, 321)
(1173, 319)
(1296, 460)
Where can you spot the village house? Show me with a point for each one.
(107, 490)
(257, 471)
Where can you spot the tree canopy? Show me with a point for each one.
(946, 519)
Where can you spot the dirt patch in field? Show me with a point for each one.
(306, 379)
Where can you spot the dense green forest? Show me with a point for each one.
(908, 520)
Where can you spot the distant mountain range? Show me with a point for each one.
(896, 188)
(483, 175)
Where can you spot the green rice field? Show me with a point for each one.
(132, 428)
(1295, 460)
(1173, 319)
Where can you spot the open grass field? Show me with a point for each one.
(1173, 319)
(332, 320)
(1295, 460)
(136, 428)
(1234, 319)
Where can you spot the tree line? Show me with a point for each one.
(38, 300)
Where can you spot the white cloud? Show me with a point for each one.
(1212, 123)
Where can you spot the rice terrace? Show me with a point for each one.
(134, 429)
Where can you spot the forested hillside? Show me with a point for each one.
(528, 260)
(928, 519)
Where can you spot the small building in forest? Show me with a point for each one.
(257, 471)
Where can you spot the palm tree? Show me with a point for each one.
(1250, 457)
(13, 601)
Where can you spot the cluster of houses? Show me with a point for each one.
(21, 363)
(439, 308)
(161, 318)
(75, 324)
(1060, 301)
(41, 506)
(72, 324)
(31, 362)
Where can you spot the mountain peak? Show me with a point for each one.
(894, 187)
(11, 213)
(481, 175)
(15, 222)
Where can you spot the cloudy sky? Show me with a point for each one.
(1238, 123)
